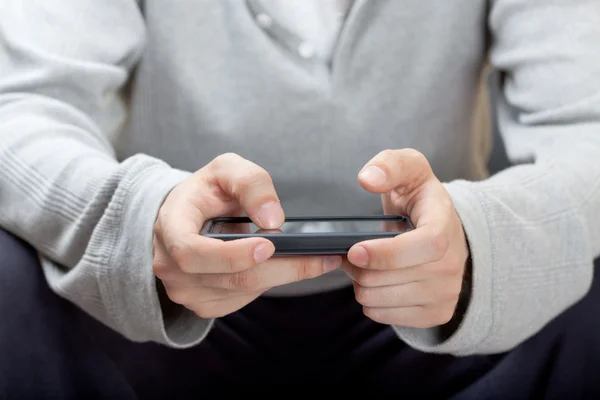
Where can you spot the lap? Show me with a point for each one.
(51, 349)
(46, 350)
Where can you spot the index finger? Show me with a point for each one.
(228, 178)
(250, 185)
(193, 253)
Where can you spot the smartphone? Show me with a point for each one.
(311, 235)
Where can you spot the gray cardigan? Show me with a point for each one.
(106, 105)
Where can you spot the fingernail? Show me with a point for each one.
(331, 263)
(374, 175)
(262, 252)
(270, 215)
(360, 257)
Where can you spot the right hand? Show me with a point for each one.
(211, 277)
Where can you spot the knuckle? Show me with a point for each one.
(448, 268)
(387, 154)
(452, 293)
(454, 267)
(309, 268)
(179, 296)
(157, 229)
(162, 270)
(252, 177)
(244, 281)
(225, 159)
(373, 313)
(367, 278)
(363, 295)
(162, 216)
(181, 254)
(416, 155)
(440, 243)
(231, 262)
(445, 296)
(440, 316)
(217, 281)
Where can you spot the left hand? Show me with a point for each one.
(415, 279)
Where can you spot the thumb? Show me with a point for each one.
(402, 170)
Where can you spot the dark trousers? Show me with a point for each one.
(306, 345)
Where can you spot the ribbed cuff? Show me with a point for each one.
(135, 301)
(478, 319)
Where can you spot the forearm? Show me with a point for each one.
(533, 229)
(89, 215)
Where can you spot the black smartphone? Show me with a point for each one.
(311, 235)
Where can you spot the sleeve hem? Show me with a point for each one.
(133, 300)
(478, 320)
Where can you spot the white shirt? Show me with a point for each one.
(317, 22)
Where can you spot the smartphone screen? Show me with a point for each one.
(322, 225)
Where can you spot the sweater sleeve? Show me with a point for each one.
(533, 229)
(63, 67)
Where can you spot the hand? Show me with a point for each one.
(211, 277)
(415, 279)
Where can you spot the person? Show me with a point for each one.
(125, 125)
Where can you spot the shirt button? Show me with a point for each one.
(264, 20)
(306, 50)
